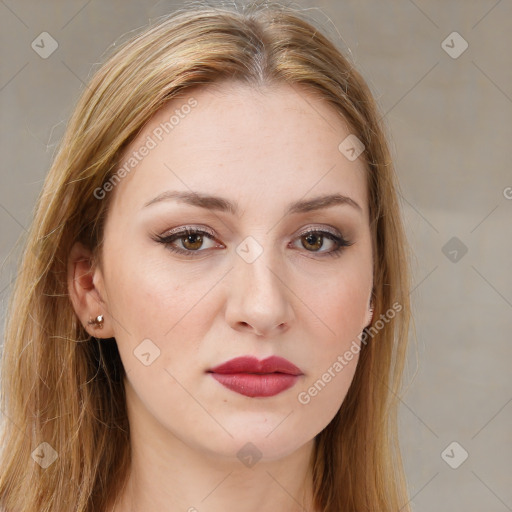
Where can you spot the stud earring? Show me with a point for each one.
(97, 322)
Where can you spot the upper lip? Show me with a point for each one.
(250, 364)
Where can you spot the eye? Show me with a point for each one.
(313, 240)
(192, 241)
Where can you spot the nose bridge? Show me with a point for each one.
(261, 271)
(259, 297)
(262, 274)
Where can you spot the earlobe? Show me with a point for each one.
(84, 295)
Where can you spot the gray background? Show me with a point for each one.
(451, 132)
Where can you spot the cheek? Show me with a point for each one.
(343, 309)
(338, 302)
(160, 310)
(338, 306)
(152, 296)
(161, 317)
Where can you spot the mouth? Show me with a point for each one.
(253, 378)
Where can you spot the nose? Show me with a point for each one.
(258, 299)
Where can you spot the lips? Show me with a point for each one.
(253, 378)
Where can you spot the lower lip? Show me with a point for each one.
(254, 385)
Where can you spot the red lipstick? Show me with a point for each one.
(250, 377)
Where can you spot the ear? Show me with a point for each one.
(369, 312)
(85, 286)
(369, 316)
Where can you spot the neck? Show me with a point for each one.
(217, 492)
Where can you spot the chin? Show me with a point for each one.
(262, 440)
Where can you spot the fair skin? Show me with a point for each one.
(263, 149)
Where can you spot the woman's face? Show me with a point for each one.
(252, 282)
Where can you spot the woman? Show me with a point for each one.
(213, 308)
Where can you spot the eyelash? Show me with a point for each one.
(167, 240)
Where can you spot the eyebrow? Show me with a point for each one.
(225, 205)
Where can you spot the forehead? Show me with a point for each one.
(247, 143)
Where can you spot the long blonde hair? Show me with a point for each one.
(62, 387)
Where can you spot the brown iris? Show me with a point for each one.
(192, 241)
(314, 240)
